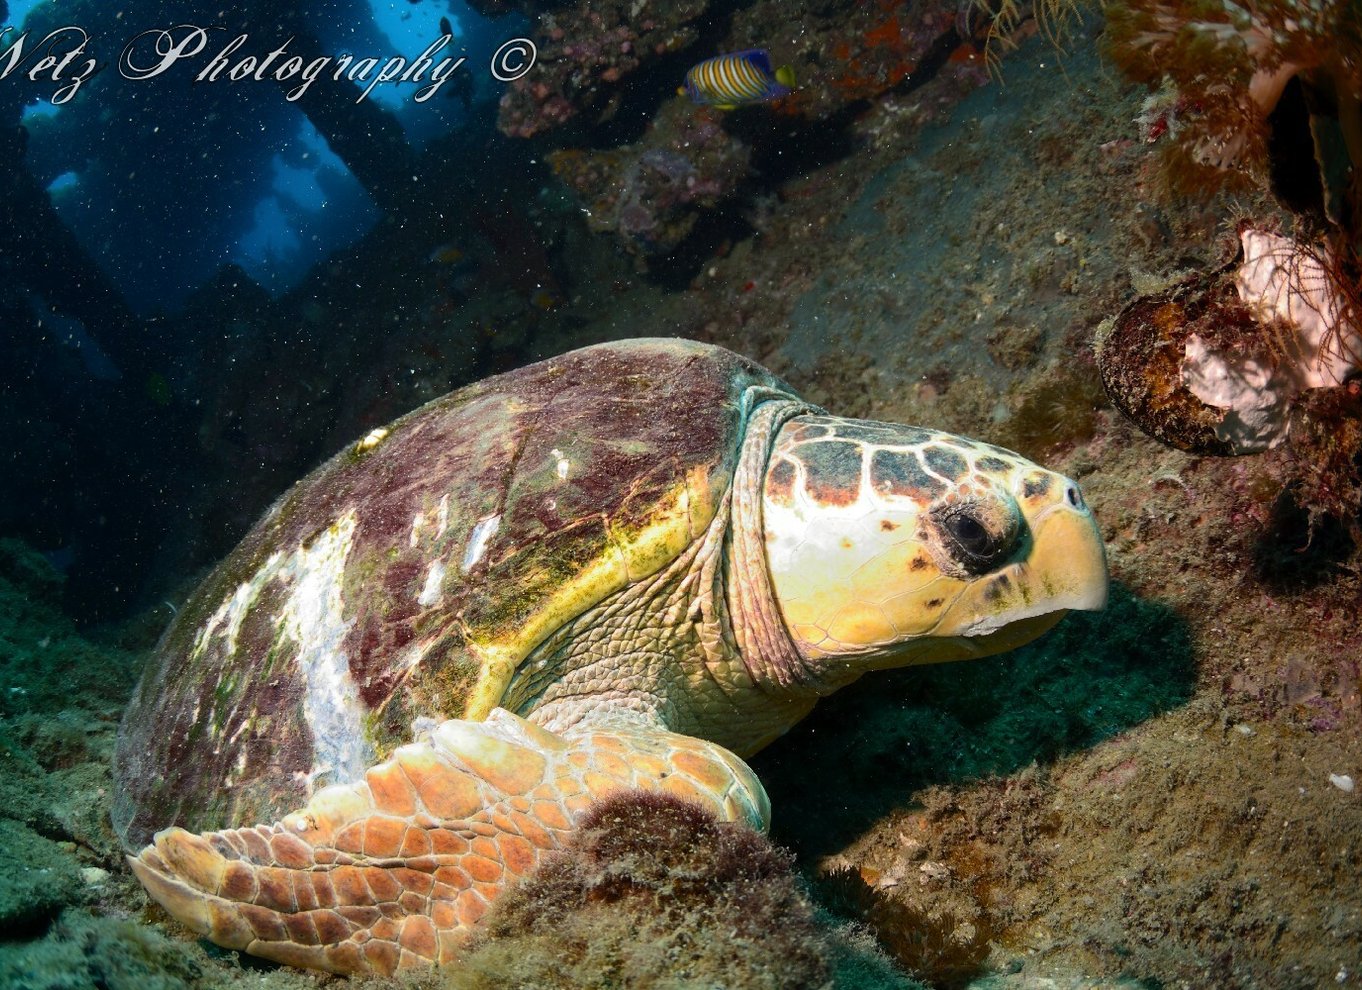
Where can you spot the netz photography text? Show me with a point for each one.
(64, 58)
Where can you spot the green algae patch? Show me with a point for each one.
(654, 892)
(84, 950)
(40, 880)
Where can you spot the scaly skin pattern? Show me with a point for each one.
(897, 544)
(391, 873)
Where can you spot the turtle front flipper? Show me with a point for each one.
(392, 872)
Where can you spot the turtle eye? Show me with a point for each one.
(975, 539)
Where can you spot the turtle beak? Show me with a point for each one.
(1069, 554)
(1064, 568)
(1068, 564)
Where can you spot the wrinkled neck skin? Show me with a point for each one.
(773, 662)
(699, 648)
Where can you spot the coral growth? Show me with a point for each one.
(1326, 454)
(1267, 92)
(1231, 349)
(1055, 412)
(1141, 355)
(918, 928)
(1003, 21)
(584, 53)
(652, 193)
(1228, 64)
(844, 54)
(652, 888)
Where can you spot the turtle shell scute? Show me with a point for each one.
(471, 529)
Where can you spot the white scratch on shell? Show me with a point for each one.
(313, 616)
(410, 657)
(233, 611)
(563, 463)
(430, 594)
(442, 516)
(477, 543)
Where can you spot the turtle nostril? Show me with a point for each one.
(1073, 496)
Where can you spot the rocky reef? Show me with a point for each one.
(588, 50)
(652, 193)
(1239, 357)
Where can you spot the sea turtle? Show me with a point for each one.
(625, 567)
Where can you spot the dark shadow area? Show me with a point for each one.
(1295, 176)
(864, 751)
(150, 422)
(785, 147)
(713, 233)
(27, 929)
(633, 107)
(1294, 554)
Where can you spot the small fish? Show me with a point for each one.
(737, 79)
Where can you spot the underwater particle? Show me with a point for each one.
(652, 886)
(1342, 781)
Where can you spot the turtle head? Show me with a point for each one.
(892, 545)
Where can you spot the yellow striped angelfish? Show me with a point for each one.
(737, 79)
